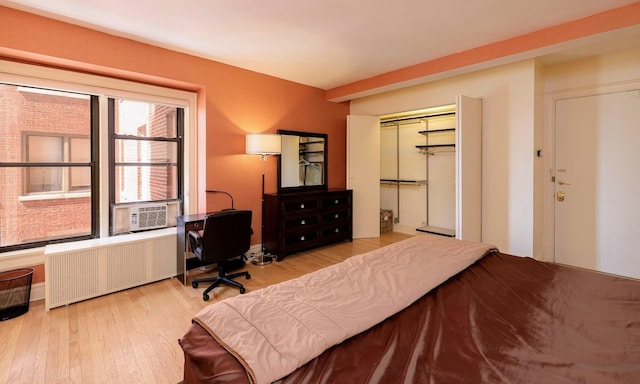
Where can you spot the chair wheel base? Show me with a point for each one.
(194, 285)
(205, 297)
(242, 290)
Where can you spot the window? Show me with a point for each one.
(69, 161)
(146, 142)
(46, 163)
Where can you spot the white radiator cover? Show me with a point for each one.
(87, 269)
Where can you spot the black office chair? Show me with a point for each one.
(226, 235)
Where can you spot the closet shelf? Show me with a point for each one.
(429, 131)
(403, 182)
(433, 149)
(437, 231)
(436, 146)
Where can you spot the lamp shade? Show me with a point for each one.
(263, 144)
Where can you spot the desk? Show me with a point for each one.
(185, 224)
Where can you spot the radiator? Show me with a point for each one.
(83, 270)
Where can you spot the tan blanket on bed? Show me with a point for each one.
(277, 329)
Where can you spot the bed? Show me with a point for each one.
(484, 317)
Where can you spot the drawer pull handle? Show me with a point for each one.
(336, 201)
(303, 222)
(301, 238)
(336, 216)
(337, 230)
(301, 206)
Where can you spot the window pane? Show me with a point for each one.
(40, 126)
(145, 119)
(79, 152)
(44, 149)
(145, 183)
(37, 111)
(31, 220)
(44, 179)
(80, 179)
(145, 151)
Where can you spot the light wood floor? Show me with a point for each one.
(132, 336)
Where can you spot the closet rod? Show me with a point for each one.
(417, 117)
(403, 182)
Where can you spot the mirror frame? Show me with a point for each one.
(301, 188)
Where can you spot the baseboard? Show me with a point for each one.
(37, 292)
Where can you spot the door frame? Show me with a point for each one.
(548, 200)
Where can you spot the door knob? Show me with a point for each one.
(562, 182)
(560, 196)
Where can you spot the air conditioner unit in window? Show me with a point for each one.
(150, 216)
(140, 217)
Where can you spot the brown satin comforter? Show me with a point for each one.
(505, 319)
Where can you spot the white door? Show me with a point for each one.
(597, 188)
(363, 173)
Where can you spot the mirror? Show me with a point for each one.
(302, 164)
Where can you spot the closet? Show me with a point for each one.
(430, 169)
(417, 169)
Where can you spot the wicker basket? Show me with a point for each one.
(386, 220)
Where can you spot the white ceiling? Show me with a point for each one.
(322, 43)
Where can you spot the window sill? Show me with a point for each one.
(54, 196)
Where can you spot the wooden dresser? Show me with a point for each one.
(300, 221)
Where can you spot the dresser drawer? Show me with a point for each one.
(300, 205)
(296, 222)
(336, 200)
(341, 231)
(301, 238)
(335, 216)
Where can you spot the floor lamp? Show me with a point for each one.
(264, 145)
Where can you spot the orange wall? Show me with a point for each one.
(232, 101)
